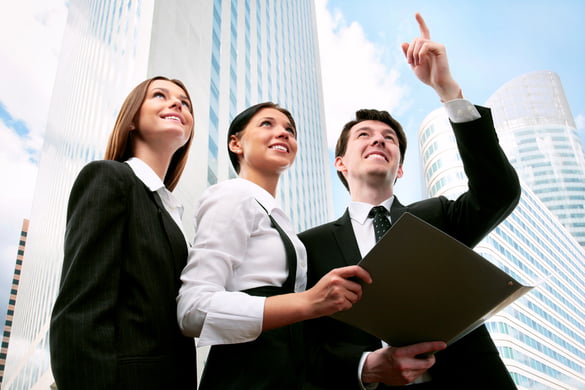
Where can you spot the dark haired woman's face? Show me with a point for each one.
(267, 144)
(165, 116)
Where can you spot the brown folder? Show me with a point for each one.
(427, 286)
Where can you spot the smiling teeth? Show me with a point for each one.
(174, 118)
(280, 147)
(376, 155)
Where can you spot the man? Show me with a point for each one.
(369, 157)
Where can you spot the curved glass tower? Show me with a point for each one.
(540, 337)
(539, 135)
(230, 54)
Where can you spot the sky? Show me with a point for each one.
(488, 44)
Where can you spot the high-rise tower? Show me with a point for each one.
(12, 298)
(230, 54)
(539, 135)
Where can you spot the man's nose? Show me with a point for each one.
(176, 103)
(378, 139)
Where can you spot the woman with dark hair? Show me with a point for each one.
(243, 288)
(114, 324)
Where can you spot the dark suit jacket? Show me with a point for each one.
(114, 323)
(472, 362)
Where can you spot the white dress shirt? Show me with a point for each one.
(235, 248)
(151, 180)
(458, 111)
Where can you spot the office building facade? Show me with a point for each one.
(540, 337)
(230, 54)
(12, 298)
(539, 134)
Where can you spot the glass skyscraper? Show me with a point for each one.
(540, 337)
(539, 134)
(230, 54)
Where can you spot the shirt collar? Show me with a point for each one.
(264, 197)
(151, 180)
(358, 211)
(145, 174)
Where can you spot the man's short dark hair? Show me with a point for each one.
(369, 115)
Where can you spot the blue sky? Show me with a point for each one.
(488, 44)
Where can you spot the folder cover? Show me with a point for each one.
(427, 286)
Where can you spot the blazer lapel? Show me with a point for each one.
(346, 241)
(396, 210)
(174, 234)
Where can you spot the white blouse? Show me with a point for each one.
(235, 248)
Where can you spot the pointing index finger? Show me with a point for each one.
(424, 30)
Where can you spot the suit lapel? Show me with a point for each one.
(346, 241)
(396, 210)
(173, 233)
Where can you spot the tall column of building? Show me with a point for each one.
(12, 298)
(230, 54)
(538, 132)
(541, 337)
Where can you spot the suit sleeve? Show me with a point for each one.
(83, 348)
(494, 188)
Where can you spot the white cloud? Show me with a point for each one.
(353, 72)
(34, 31)
(18, 174)
(357, 73)
(580, 121)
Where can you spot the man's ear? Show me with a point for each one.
(399, 172)
(339, 165)
(234, 145)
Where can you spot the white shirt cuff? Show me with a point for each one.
(239, 321)
(364, 386)
(461, 110)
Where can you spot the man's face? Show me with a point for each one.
(372, 156)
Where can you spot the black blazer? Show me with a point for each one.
(473, 361)
(114, 323)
